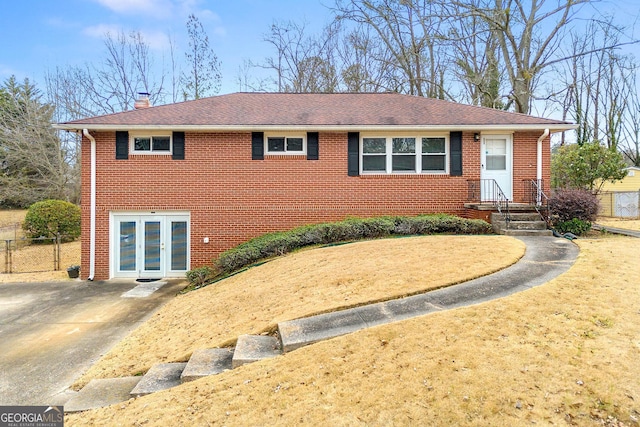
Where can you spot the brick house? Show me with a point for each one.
(167, 188)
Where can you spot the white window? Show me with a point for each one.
(286, 144)
(434, 154)
(151, 144)
(404, 154)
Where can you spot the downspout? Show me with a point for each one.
(92, 221)
(539, 165)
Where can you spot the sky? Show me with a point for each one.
(40, 35)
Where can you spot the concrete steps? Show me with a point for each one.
(102, 392)
(291, 335)
(251, 348)
(202, 363)
(205, 362)
(159, 377)
(520, 224)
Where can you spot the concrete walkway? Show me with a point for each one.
(614, 230)
(52, 332)
(544, 259)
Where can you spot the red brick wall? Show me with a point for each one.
(232, 198)
(524, 162)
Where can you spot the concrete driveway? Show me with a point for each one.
(50, 333)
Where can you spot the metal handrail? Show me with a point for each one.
(488, 190)
(537, 197)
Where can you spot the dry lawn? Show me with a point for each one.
(11, 224)
(11, 217)
(299, 285)
(628, 224)
(563, 353)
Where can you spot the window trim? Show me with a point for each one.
(418, 153)
(446, 156)
(285, 135)
(133, 136)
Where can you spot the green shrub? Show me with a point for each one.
(201, 276)
(351, 229)
(52, 217)
(575, 226)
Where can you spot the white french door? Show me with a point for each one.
(150, 245)
(496, 164)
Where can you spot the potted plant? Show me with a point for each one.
(73, 271)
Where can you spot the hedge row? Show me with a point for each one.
(275, 244)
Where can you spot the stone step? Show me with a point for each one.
(522, 225)
(205, 362)
(512, 232)
(159, 377)
(102, 392)
(517, 216)
(251, 348)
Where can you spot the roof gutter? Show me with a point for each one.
(539, 164)
(555, 127)
(92, 221)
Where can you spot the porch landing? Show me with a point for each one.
(522, 219)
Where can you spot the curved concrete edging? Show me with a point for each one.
(614, 230)
(545, 258)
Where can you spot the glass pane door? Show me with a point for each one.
(179, 245)
(152, 246)
(127, 246)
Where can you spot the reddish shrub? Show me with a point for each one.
(570, 203)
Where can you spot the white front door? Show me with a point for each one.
(496, 164)
(150, 245)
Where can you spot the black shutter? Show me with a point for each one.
(455, 154)
(312, 145)
(178, 146)
(122, 145)
(353, 141)
(257, 146)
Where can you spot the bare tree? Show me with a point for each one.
(630, 140)
(303, 63)
(410, 30)
(175, 74)
(108, 87)
(127, 70)
(367, 66)
(529, 34)
(476, 58)
(599, 84)
(203, 76)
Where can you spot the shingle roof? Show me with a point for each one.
(340, 111)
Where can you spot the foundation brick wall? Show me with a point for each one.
(232, 198)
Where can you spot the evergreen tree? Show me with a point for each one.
(203, 76)
(33, 163)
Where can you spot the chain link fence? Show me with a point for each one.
(23, 255)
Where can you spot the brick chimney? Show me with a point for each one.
(142, 101)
